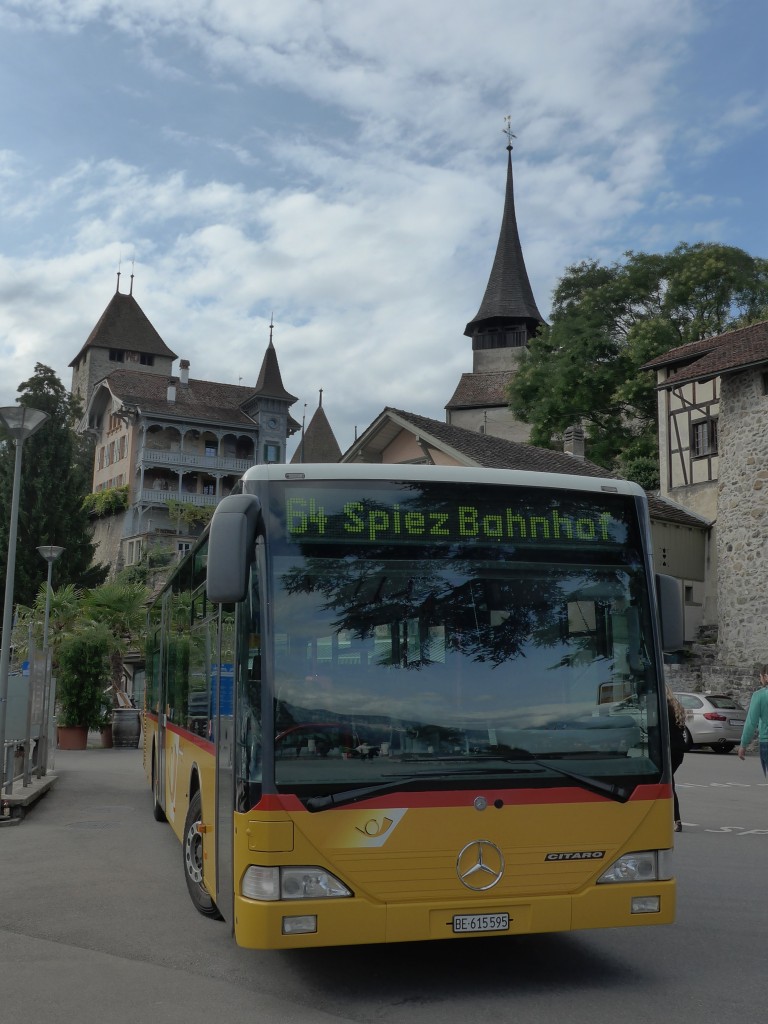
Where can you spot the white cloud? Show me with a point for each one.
(351, 181)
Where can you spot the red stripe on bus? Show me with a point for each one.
(462, 798)
(198, 741)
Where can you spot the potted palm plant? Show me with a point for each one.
(90, 633)
(118, 610)
(81, 670)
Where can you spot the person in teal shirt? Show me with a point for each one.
(757, 721)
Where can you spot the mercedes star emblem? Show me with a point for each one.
(480, 865)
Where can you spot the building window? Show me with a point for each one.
(271, 452)
(146, 360)
(116, 355)
(704, 438)
(211, 449)
(517, 337)
(182, 548)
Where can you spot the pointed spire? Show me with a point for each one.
(508, 300)
(318, 442)
(270, 381)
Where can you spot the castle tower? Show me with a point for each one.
(123, 339)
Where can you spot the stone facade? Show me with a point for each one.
(742, 524)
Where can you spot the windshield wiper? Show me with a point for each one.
(351, 796)
(619, 793)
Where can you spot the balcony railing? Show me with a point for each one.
(153, 497)
(189, 460)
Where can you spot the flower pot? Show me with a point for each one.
(106, 736)
(72, 737)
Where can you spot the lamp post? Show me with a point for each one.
(20, 421)
(50, 552)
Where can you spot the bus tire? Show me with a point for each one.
(157, 811)
(192, 850)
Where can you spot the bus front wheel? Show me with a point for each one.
(193, 861)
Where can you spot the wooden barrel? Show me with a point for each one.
(126, 727)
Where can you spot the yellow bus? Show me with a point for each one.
(388, 703)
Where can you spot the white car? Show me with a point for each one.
(712, 720)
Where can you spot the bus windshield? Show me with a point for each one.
(439, 633)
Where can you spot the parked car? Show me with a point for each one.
(712, 720)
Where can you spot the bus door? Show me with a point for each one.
(224, 728)
(162, 701)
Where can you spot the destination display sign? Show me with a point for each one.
(506, 516)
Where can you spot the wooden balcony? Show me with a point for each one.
(193, 462)
(157, 497)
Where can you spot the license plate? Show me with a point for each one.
(737, 721)
(480, 922)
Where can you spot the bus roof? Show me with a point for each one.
(358, 471)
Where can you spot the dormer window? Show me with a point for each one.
(116, 355)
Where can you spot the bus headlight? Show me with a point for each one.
(642, 866)
(304, 883)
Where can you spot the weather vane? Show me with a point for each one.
(507, 130)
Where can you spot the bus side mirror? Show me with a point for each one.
(231, 539)
(670, 597)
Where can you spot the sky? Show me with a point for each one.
(339, 166)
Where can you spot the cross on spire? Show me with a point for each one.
(507, 130)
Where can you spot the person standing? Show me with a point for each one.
(757, 721)
(677, 746)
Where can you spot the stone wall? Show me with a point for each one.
(703, 672)
(742, 527)
(107, 536)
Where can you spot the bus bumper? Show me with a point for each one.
(356, 921)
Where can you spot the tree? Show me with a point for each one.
(118, 610)
(54, 481)
(606, 323)
(89, 633)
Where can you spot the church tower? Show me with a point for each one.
(501, 329)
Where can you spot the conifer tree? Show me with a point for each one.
(54, 481)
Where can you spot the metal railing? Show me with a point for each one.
(162, 457)
(156, 497)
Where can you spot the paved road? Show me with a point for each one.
(96, 925)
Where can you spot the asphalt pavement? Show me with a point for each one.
(92, 904)
(96, 925)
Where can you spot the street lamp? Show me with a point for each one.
(50, 552)
(20, 421)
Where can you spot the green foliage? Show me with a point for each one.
(54, 480)
(107, 502)
(186, 512)
(89, 634)
(606, 323)
(119, 609)
(153, 567)
(81, 677)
